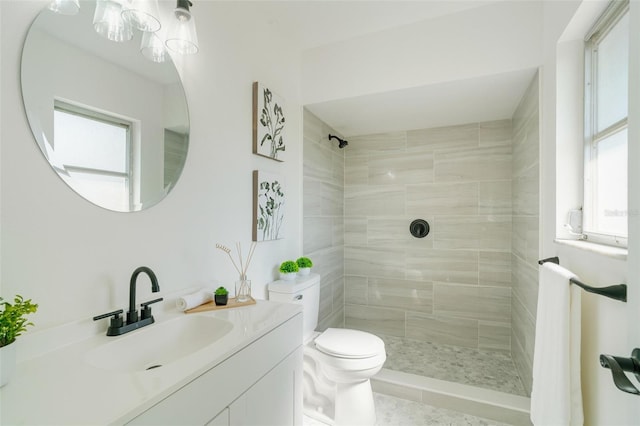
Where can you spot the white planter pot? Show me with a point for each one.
(304, 271)
(288, 276)
(7, 363)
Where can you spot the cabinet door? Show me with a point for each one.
(275, 400)
(222, 419)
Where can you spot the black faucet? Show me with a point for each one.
(116, 325)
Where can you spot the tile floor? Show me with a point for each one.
(391, 411)
(482, 368)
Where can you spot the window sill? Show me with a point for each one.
(609, 251)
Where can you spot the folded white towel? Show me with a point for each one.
(195, 299)
(556, 396)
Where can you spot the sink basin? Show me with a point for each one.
(158, 344)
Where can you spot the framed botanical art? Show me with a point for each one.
(268, 123)
(268, 206)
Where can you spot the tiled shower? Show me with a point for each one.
(472, 282)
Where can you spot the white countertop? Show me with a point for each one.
(59, 387)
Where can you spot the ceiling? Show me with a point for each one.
(314, 24)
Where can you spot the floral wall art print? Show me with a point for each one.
(268, 206)
(268, 123)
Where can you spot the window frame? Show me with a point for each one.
(592, 137)
(91, 114)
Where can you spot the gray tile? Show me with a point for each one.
(394, 233)
(472, 232)
(443, 199)
(383, 200)
(318, 233)
(525, 238)
(494, 197)
(494, 133)
(495, 268)
(375, 320)
(356, 290)
(523, 330)
(526, 192)
(317, 161)
(401, 294)
(355, 230)
(382, 142)
(525, 284)
(401, 168)
(450, 266)
(482, 368)
(494, 336)
(489, 163)
(473, 302)
(442, 329)
(463, 136)
(374, 261)
(356, 169)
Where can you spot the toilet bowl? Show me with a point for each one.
(338, 363)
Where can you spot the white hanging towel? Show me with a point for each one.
(556, 395)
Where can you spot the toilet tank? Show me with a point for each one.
(304, 291)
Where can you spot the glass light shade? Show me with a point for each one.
(152, 47)
(182, 37)
(142, 14)
(109, 23)
(65, 7)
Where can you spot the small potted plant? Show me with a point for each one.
(221, 296)
(13, 322)
(304, 265)
(288, 270)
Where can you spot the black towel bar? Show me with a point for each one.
(616, 292)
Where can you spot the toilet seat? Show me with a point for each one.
(351, 344)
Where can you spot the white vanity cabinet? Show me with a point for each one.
(259, 385)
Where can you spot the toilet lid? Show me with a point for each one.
(345, 343)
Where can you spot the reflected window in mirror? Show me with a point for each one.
(94, 150)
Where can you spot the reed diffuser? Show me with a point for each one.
(243, 285)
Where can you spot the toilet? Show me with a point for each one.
(338, 362)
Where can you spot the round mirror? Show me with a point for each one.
(113, 124)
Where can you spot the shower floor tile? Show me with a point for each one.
(481, 368)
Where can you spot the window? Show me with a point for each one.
(93, 150)
(606, 110)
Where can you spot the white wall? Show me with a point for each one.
(607, 325)
(75, 259)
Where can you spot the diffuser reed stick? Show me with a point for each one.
(242, 270)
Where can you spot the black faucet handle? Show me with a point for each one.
(114, 314)
(146, 309)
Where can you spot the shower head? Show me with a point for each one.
(341, 142)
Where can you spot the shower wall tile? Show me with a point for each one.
(472, 232)
(441, 329)
(355, 231)
(495, 133)
(323, 216)
(356, 169)
(374, 261)
(394, 233)
(356, 290)
(400, 168)
(458, 178)
(461, 137)
(375, 320)
(462, 301)
(401, 294)
(525, 233)
(387, 200)
(487, 163)
(494, 197)
(316, 235)
(449, 266)
(378, 143)
(494, 335)
(494, 268)
(443, 199)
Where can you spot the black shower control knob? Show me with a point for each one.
(419, 228)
